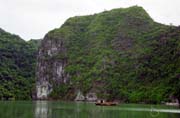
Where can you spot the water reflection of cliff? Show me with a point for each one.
(42, 109)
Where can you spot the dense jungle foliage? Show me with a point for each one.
(17, 66)
(121, 54)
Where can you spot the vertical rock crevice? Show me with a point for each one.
(51, 66)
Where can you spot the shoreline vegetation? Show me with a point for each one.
(117, 102)
(121, 55)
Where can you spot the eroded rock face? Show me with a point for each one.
(50, 67)
(91, 97)
(43, 89)
(80, 96)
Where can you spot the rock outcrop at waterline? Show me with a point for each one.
(90, 97)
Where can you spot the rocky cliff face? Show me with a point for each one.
(50, 66)
(109, 55)
(91, 49)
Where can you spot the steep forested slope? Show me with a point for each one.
(17, 66)
(119, 54)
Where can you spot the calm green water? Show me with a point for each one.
(44, 109)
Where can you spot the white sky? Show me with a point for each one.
(34, 18)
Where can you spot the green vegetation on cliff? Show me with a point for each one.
(121, 54)
(17, 66)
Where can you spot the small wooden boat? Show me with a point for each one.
(106, 103)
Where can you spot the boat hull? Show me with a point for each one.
(106, 104)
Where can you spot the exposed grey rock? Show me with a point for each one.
(50, 66)
(80, 96)
(91, 97)
(43, 89)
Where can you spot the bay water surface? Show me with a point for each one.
(55, 109)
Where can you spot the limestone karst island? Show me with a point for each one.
(111, 64)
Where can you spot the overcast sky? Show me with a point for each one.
(32, 19)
